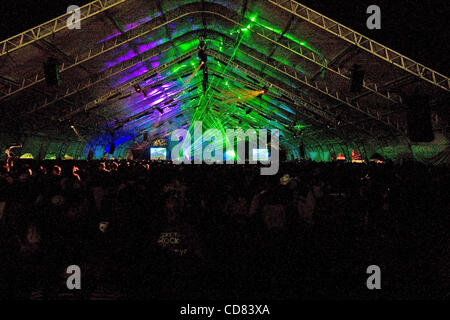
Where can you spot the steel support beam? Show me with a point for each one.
(110, 72)
(300, 100)
(179, 13)
(361, 41)
(324, 90)
(109, 96)
(53, 26)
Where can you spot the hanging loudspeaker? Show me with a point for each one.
(356, 79)
(51, 72)
(418, 118)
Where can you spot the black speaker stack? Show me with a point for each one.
(51, 72)
(418, 118)
(357, 78)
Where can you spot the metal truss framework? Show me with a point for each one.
(291, 72)
(176, 15)
(108, 73)
(320, 61)
(139, 116)
(104, 47)
(184, 90)
(305, 112)
(295, 8)
(315, 103)
(324, 90)
(115, 92)
(268, 35)
(53, 26)
(300, 100)
(307, 116)
(112, 94)
(122, 67)
(252, 85)
(248, 83)
(242, 82)
(364, 43)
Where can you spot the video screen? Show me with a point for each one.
(260, 154)
(158, 153)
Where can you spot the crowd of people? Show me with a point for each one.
(156, 230)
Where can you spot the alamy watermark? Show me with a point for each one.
(74, 278)
(374, 20)
(74, 22)
(213, 152)
(374, 281)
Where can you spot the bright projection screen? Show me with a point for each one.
(158, 153)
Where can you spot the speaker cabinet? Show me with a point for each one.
(419, 119)
(51, 72)
(356, 80)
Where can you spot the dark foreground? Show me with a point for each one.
(224, 232)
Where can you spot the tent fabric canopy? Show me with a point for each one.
(136, 68)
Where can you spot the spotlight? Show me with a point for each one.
(51, 72)
(261, 92)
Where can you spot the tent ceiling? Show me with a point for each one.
(301, 59)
